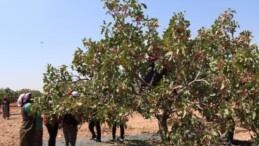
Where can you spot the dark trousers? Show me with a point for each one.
(38, 137)
(70, 134)
(53, 131)
(97, 125)
(121, 131)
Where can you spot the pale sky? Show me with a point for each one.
(34, 33)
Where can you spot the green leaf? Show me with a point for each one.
(144, 5)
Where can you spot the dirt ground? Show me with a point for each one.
(9, 133)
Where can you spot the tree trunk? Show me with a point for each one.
(163, 129)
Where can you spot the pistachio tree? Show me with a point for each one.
(199, 88)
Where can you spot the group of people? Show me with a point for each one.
(32, 126)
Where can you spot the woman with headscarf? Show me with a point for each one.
(6, 108)
(28, 128)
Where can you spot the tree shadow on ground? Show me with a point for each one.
(153, 142)
(233, 142)
(150, 142)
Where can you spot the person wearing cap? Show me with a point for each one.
(6, 108)
(70, 126)
(28, 128)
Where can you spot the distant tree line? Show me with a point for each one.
(13, 95)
